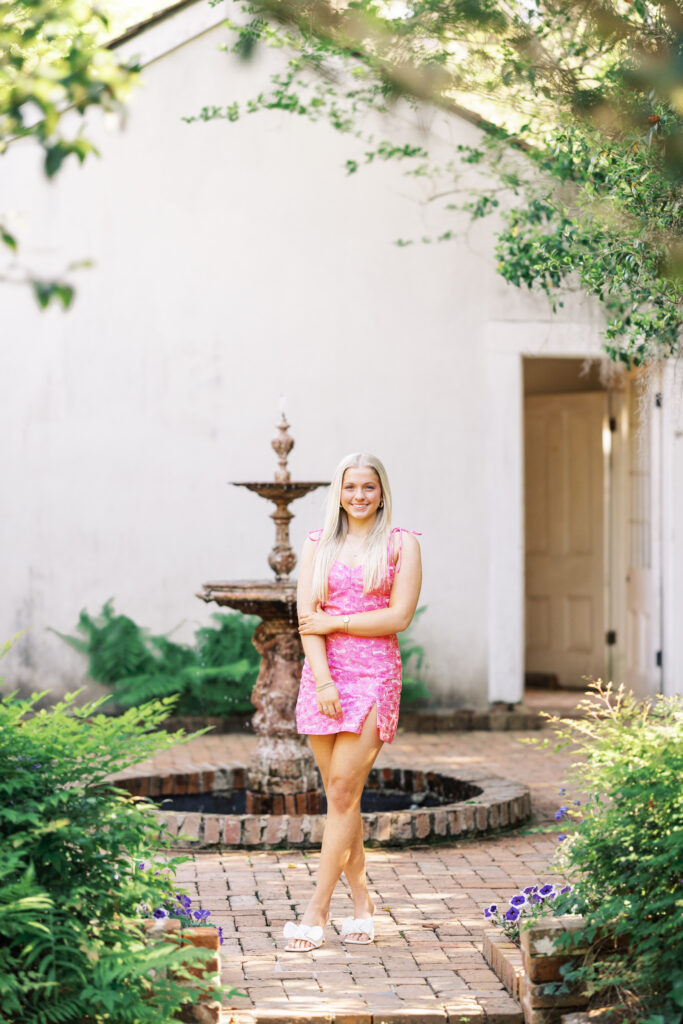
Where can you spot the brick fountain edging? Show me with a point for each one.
(483, 804)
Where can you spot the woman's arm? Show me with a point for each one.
(405, 594)
(314, 645)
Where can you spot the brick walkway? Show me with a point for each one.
(426, 964)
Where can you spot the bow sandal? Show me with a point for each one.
(358, 926)
(309, 933)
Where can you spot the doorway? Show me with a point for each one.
(591, 515)
(566, 522)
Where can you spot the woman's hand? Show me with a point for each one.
(328, 700)
(318, 623)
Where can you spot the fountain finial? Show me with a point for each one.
(283, 443)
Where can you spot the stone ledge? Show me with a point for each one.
(479, 804)
(503, 1013)
(526, 971)
(436, 720)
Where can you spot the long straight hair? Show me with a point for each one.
(375, 559)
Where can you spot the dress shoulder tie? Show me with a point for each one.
(400, 531)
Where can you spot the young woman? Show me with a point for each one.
(359, 583)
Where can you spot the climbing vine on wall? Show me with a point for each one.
(580, 109)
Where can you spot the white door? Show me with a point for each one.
(565, 535)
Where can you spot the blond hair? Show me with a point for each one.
(375, 559)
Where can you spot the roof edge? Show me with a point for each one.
(154, 19)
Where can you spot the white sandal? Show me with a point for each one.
(309, 933)
(357, 925)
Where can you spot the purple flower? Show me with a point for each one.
(530, 889)
(559, 815)
(577, 803)
(141, 866)
(562, 791)
(545, 890)
(536, 898)
(561, 838)
(186, 901)
(567, 888)
(201, 915)
(512, 914)
(518, 901)
(160, 913)
(220, 936)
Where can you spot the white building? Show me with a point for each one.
(235, 263)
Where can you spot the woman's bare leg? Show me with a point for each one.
(355, 868)
(347, 763)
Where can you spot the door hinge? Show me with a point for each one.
(611, 637)
(659, 399)
(658, 659)
(613, 424)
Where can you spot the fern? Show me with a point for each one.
(213, 677)
(413, 691)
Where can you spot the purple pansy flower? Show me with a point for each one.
(512, 914)
(545, 890)
(518, 901)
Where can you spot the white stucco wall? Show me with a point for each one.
(235, 263)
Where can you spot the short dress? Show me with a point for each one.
(365, 669)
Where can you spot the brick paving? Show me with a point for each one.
(426, 963)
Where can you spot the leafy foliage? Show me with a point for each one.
(72, 874)
(413, 691)
(54, 67)
(625, 855)
(215, 677)
(580, 108)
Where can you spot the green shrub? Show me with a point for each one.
(625, 851)
(214, 677)
(79, 859)
(413, 691)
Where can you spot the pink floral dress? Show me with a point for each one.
(365, 669)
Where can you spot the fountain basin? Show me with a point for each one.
(473, 804)
(267, 598)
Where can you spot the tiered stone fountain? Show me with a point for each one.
(281, 775)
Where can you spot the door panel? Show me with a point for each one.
(564, 530)
(641, 672)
